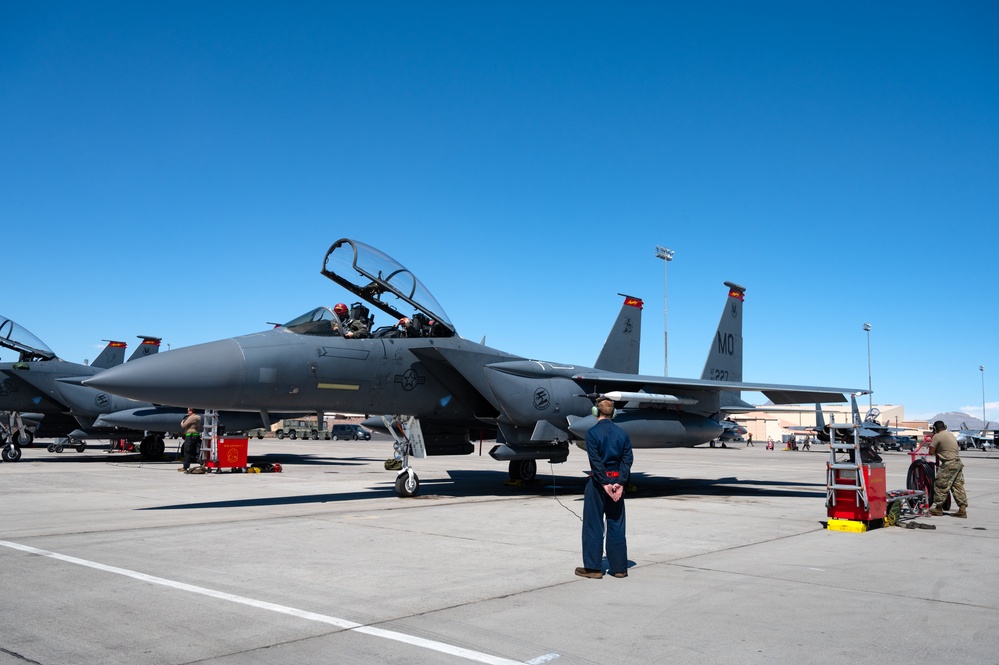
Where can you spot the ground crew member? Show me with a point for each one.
(950, 471)
(609, 450)
(190, 427)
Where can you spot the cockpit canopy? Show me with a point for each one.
(16, 338)
(370, 274)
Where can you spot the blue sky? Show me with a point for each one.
(180, 169)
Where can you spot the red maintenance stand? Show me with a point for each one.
(220, 452)
(855, 491)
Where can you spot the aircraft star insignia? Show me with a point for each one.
(410, 379)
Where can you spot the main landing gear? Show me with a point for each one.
(523, 470)
(152, 446)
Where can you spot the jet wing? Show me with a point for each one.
(602, 382)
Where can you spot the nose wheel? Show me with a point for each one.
(407, 483)
(11, 453)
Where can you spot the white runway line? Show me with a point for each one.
(281, 609)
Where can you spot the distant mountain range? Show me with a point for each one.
(954, 420)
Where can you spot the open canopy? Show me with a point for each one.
(371, 274)
(16, 338)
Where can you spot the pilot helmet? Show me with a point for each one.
(340, 309)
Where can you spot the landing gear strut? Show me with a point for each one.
(407, 483)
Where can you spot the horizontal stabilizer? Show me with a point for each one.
(802, 396)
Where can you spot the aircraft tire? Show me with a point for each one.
(59, 448)
(51, 448)
(407, 485)
(11, 454)
(523, 470)
(22, 439)
(151, 447)
(80, 447)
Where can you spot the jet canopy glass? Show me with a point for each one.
(371, 274)
(16, 338)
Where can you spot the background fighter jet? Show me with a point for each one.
(453, 389)
(974, 438)
(872, 434)
(33, 397)
(43, 391)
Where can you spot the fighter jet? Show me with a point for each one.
(871, 432)
(973, 438)
(32, 396)
(451, 389)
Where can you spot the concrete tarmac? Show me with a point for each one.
(105, 558)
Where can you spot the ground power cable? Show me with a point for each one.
(555, 492)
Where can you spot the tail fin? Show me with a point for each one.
(149, 346)
(724, 361)
(855, 409)
(621, 350)
(112, 355)
(820, 421)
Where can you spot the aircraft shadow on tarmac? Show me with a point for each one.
(493, 484)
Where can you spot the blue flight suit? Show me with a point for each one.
(609, 449)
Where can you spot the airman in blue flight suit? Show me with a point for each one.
(609, 449)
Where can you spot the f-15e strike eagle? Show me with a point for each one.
(451, 390)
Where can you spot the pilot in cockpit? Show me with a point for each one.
(352, 328)
(412, 326)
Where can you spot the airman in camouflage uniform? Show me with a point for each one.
(950, 472)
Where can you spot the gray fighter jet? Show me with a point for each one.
(870, 430)
(33, 397)
(453, 390)
(42, 393)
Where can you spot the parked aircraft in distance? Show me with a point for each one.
(871, 432)
(453, 390)
(42, 393)
(34, 398)
(974, 438)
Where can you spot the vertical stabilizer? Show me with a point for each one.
(855, 409)
(112, 355)
(148, 347)
(724, 361)
(621, 350)
(820, 421)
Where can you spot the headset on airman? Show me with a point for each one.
(603, 398)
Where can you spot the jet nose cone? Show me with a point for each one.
(205, 376)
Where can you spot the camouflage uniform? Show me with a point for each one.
(950, 473)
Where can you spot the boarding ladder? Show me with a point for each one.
(838, 481)
(209, 437)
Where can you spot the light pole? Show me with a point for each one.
(870, 390)
(981, 368)
(666, 255)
